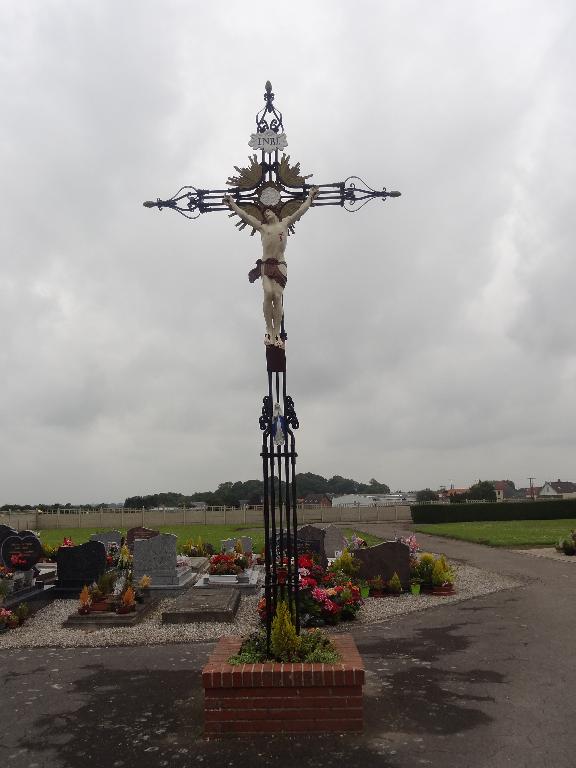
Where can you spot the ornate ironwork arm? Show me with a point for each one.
(265, 419)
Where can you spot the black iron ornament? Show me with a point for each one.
(271, 182)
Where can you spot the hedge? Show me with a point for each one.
(502, 510)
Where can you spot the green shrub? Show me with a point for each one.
(395, 585)
(284, 641)
(22, 611)
(568, 546)
(106, 583)
(501, 510)
(346, 563)
(49, 552)
(425, 567)
(313, 647)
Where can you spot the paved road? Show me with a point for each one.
(489, 682)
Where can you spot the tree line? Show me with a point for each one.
(232, 494)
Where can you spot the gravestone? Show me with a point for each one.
(80, 565)
(20, 551)
(139, 533)
(156, 557)
(107, 538)
(5, 531)
(247, 546)
(384, 560)
(311, 539)
(334, 540)
(228, 545)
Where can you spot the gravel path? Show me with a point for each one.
(45, 630)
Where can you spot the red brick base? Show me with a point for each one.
(283, 698)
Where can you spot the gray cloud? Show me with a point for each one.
(431, 338)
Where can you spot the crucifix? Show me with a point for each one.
(269, 196)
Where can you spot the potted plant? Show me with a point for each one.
(12, 620)
(415, 585)
(127, 601)
(4, 616)
(423, 571)
(394, 585)
(442, 578)
(143, 589)
(22, 612)
(4, 589)
(85, 603)
(376, 586)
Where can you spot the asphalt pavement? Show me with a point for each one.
(483, 683)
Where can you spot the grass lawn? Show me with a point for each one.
(209, 533)
(504, 533)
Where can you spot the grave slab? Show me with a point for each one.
(110, 619)
(203, 605)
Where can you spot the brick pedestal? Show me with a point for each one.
(283, 698)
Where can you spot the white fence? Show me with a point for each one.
(153, 518)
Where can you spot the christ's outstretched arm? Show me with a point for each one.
(303, 208)
(243, 215)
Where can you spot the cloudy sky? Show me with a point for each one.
(432, 339)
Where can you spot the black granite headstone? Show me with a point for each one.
(5, 531)
(20, 551)
(311, 539)
(80, 565)
(384, 560)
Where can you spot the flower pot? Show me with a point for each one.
(100, 606)
(364, 592)
(123, 609)
(445, 589)
(415, 589)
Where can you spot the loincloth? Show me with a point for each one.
(270, 268)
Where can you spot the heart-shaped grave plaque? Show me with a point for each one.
(20, 551)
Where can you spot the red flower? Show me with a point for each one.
(308, 581)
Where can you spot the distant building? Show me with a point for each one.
(503, 490)
(558, 489)
(444, 494)
(355, 500)
(318, 498)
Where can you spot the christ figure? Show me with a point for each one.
(272, 266)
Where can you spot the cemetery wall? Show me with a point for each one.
(153, 518)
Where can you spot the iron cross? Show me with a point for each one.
(271, 181)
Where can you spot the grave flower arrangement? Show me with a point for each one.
(67, 542)
(6, 573)
(434, 574)
(228, 564)
(6, 619)
(17, 560)
(312, 646)
(127, 601)
(325, 597)
(112, 555)
(124, 558)
(85, 601)
(355, 542)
